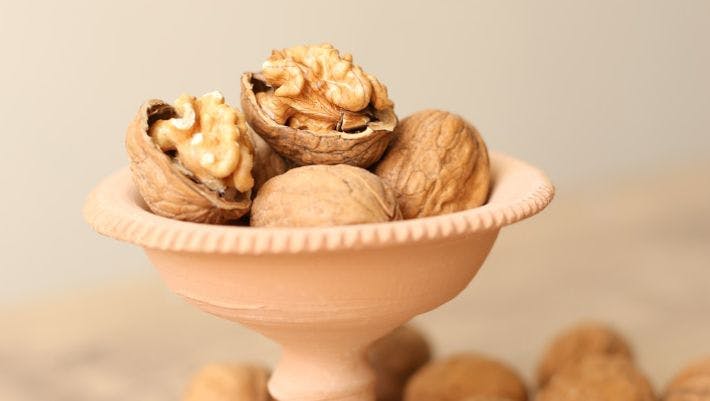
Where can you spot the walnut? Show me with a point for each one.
(267, 163)
(578, 342)
(395, 357)
(314, 106)
(229, 382)
(598, 378)
(690, 384)
(192, 161)
(323, 195)
(437, 163)
(465, 376)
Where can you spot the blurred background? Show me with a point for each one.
(611, 99)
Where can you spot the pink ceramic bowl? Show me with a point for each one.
(323, 293)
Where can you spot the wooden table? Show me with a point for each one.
(635, 253)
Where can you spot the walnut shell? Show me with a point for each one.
(577, 342)
(463, 376)
(267, 163)
(323, 195)
(229, 382)
(690, 384)
(165, 188)
(598, 378)
(437, 163)
(304, 147)
(395, 357)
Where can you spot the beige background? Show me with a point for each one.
(611, 98)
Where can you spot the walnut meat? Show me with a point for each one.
(315, 106)
(465, 376)
(437, 163)
(577, 342)
(192, 161)
(323, 195)
(598, 378)
(395, 357)
(229, 382)
(690, 384)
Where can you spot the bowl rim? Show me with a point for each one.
(113, 208)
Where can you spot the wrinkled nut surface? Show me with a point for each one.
(577, 342)
(267, 163)
(598, 378)
(690, 384)
(315, 88)
(395, 357)
(229, 382)
(323, 195)
(465, 376)
(437, 163)
(314, 106)
(193, 162)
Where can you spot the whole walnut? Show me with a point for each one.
(598, 378)
(690, 384)
(324, 195)
(395, 357)
(465, 376)
(577, 342)
(437, 163)
(229, 382)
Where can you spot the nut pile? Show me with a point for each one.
(590, 362)
(313, 123)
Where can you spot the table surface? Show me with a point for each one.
(634, 252)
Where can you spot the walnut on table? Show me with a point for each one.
(598, 377)
(192, 161)
(315, 106)
(229, 382)
(578, 342)
(465, 376)
(690, 384)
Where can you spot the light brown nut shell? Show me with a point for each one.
(691, 384)
(437, 163)
(464, 376)
(267, 163)
(166, 190)
(598, 378)
(323, 195)
(395, 357)
(577, 342)
(304, 147)
(229, 382)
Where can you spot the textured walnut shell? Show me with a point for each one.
(579, 341)
(437, 163)
(267, 163)
(164, 187)
(229, 382)
(304, 147)
(465, 376)
(690, 384)
(323, 195)
(395, 357)
(598, 378)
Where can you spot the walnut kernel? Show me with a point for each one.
(229, 382)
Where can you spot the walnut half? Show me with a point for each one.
(192, 161)
(315, 106)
